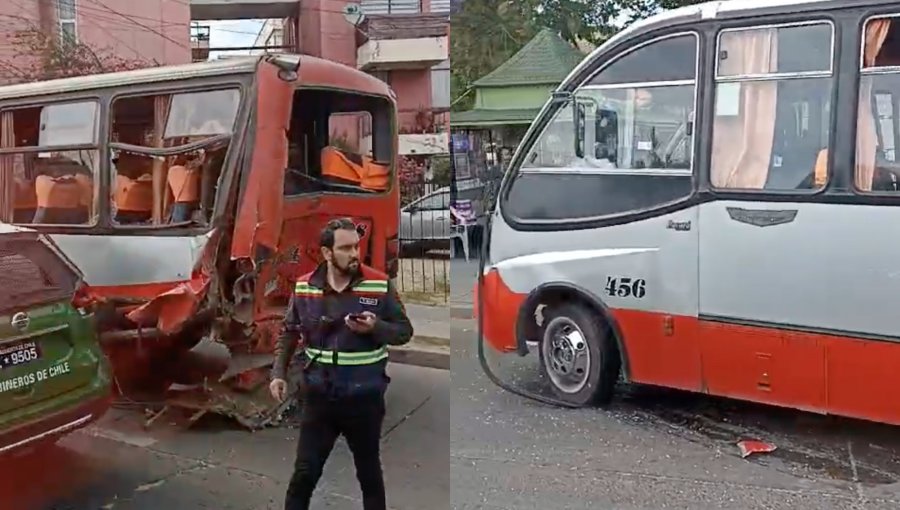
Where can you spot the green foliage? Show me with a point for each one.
(485, 33)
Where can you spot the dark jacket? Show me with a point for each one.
(335, 360)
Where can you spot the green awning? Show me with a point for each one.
(489, 118)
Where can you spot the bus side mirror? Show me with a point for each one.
(288, 66)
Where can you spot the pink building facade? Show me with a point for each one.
(149, 30)
(402, 42)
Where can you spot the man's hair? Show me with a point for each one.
(326, 239)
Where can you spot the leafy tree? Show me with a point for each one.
(485, 33)
(639, 9)
(39, 55)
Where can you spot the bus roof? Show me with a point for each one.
(314, 72)
(710, 10)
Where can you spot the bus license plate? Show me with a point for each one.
(19, 354)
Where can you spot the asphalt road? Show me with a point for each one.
(118, 465)
(652, 449)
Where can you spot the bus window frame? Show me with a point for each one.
(712, 86)
(551, 109)
(99, 145)
(861, 72)
(395, 149)
(245, 98)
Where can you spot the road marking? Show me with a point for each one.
(139, 440)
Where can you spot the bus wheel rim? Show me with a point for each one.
(566, 355)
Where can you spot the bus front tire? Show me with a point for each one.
(578, 355)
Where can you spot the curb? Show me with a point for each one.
(461, 312)
(423, 351)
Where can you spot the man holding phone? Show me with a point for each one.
(344, 314)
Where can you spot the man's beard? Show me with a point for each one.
(349, 270)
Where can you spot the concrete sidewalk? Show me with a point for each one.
(430, 346)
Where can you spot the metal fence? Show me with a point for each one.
(425, 224)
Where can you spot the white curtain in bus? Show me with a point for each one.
(752, 130)
(866, 136)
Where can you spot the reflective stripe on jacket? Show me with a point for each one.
(337, 360)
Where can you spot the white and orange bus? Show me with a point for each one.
(707, 203)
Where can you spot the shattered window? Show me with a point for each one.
(155, 188)
(340, 142)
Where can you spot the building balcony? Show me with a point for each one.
(415, 144)
(199, 43)
(423, 144)
(242, 9)
(402, 41)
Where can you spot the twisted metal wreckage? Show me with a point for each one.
(192, 313)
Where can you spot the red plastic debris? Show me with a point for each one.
(749, 447)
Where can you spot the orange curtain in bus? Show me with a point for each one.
(742, 144)
(866, 136)
(160, 118)
(7, 167)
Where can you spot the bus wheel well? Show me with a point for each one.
(531, 317)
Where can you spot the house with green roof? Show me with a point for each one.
(509, 98)
(514, 92)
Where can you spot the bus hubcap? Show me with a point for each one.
(566, 355)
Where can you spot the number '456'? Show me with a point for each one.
(626, 287)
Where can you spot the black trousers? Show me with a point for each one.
(359, 420)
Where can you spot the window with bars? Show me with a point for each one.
(66, 13)
(440, 85)
(440, 5)
(391, 6)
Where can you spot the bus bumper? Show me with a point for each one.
(500, 307)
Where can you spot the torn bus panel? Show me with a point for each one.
(168, 311)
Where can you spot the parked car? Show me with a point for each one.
(54, 377)
(425, 223)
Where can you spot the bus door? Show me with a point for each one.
(764, 269)
(617, 223)
(645, 126)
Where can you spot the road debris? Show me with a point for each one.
(750, 446)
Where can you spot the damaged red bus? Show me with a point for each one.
(707, 203)
(192, 196)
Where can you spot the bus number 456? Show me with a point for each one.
(626, 287)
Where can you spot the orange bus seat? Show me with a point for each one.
(59, 200)
(26, 195)
(185, 184)
(57, 192)
(821, 171)
(86, 184)
(134, 195)
(347, 168)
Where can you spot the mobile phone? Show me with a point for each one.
(358, 317)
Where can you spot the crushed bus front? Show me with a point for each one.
(194, 204)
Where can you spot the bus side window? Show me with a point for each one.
(54, 185)
(773, 95)
(877, 128)
(149, 190)
(634, 135)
